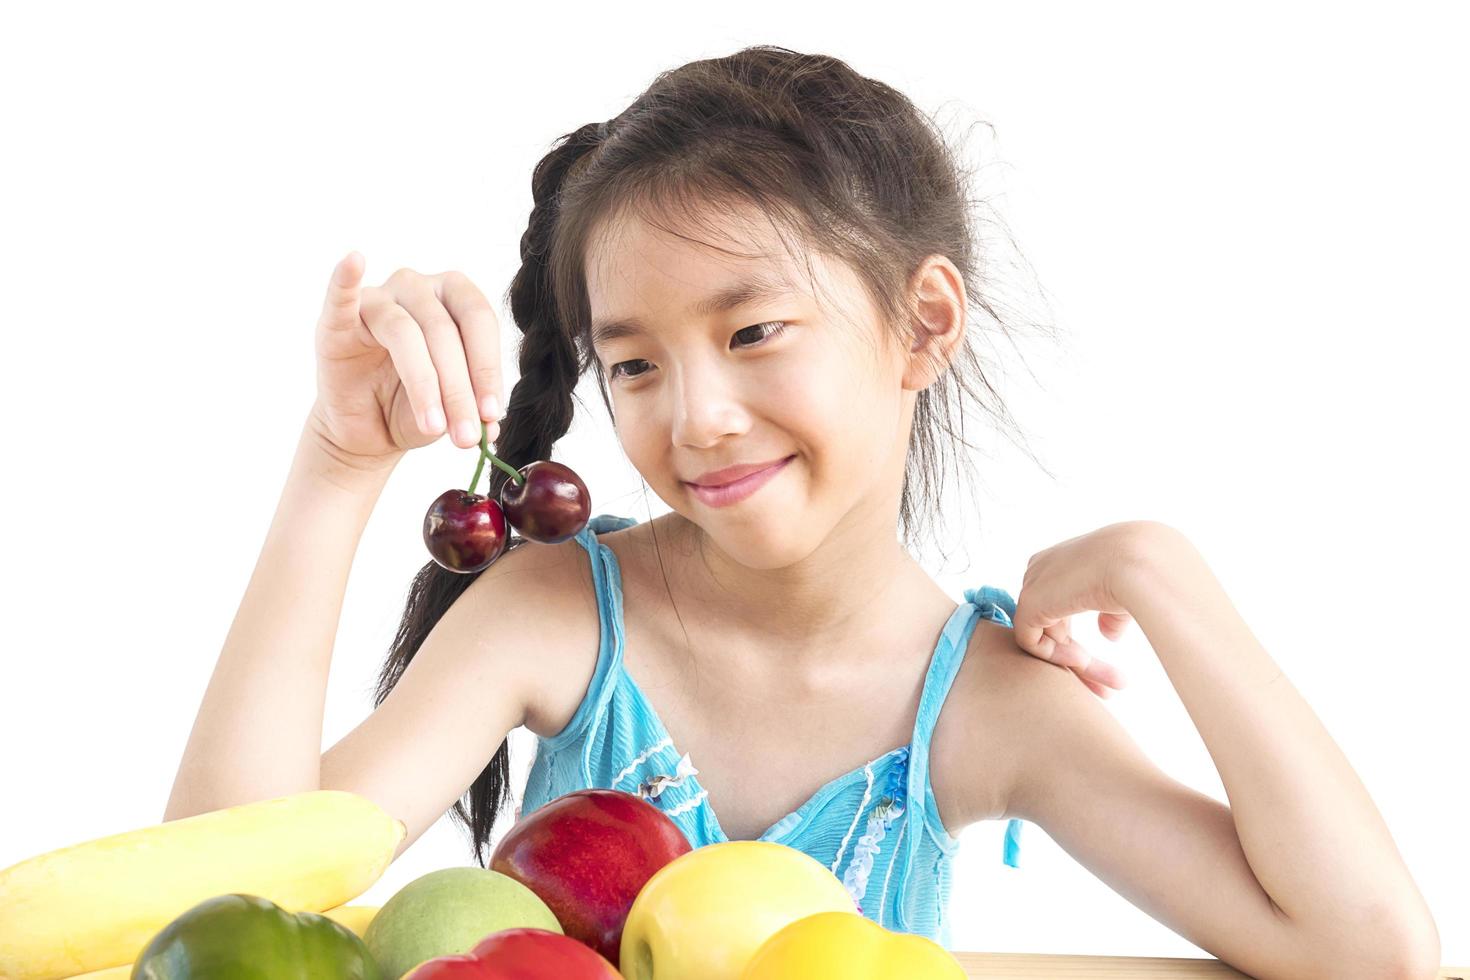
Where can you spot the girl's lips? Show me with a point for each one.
(733, 493)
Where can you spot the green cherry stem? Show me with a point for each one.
(485, 454)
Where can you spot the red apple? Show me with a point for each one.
(587, 854)
(520, 954)
(460, 967)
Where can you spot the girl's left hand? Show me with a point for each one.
(1079, 575)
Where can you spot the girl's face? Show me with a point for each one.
(784, 372)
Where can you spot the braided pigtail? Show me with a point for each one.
(541, 403)
(539, 413)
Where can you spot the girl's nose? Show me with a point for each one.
(706, 409)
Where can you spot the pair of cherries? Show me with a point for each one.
(543, 501)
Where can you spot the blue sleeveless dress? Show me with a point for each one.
(877, 827)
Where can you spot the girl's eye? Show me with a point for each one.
(776, 326)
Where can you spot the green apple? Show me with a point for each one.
(703, 915)
(449, 911)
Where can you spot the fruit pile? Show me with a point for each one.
(544, 501)
(595, 885)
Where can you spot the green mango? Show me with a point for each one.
(245, 937)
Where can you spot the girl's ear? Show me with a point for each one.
(937, 296)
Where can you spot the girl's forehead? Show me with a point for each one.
(632, 261)
(639, 272)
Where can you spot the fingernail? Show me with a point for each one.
(490, 407)
(467, 432)
(435, 418)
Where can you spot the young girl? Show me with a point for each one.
(767, 263)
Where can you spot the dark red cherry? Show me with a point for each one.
(465, 532)
(549, 504)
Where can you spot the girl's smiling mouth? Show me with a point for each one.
(733, 492)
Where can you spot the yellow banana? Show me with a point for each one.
(354, 917)
(97, 904)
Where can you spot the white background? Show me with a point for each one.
(1250, 221)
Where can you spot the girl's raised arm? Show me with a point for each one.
(393, 364)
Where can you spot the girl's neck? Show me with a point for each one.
(854, 597)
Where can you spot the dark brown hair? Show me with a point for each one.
(843, 164)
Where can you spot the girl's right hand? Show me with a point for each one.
(396, 362)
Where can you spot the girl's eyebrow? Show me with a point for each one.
(737, 294)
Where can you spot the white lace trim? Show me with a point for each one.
(867, 791)
(688, 804)
(883, 899)
(631, 767)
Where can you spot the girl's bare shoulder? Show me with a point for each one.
(973, 750)
(565, 635)
(571, 634)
